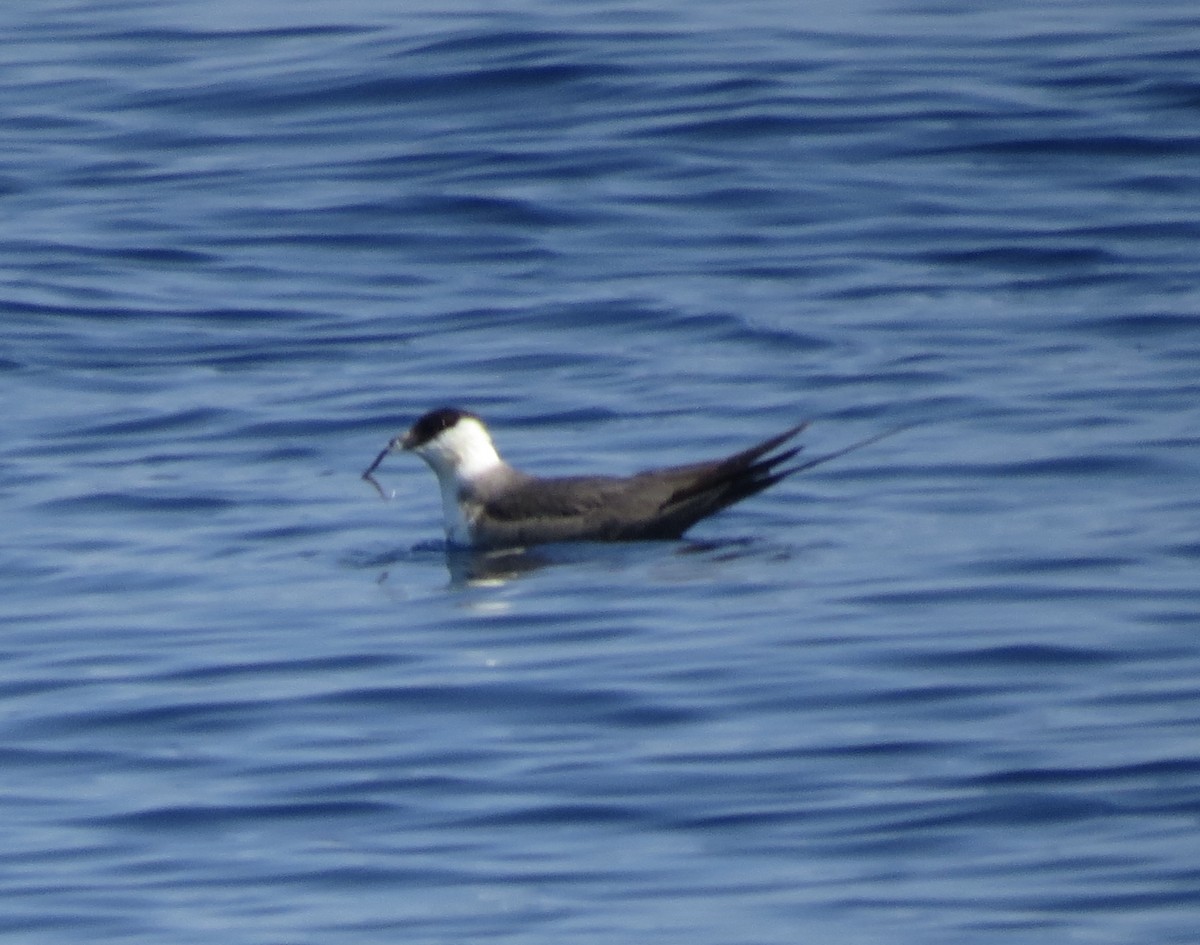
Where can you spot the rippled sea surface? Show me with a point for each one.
(945, 689)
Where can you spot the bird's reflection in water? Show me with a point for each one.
(475, 568)
(469, 567)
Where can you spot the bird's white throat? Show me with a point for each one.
(460, 455)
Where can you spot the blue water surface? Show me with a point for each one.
(945, 689)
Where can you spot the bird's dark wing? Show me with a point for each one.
(655, 504)
(533, 511)
(568, 497)
(702, 489)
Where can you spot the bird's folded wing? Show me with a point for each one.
(553, 498)
(655, 504)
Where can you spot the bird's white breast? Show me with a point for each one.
(460, 529)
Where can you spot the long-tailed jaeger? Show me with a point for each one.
(488, 504)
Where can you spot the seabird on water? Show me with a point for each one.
(488, 504)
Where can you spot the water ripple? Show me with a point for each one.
(942, 690)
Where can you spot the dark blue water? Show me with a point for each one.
(943, 690)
